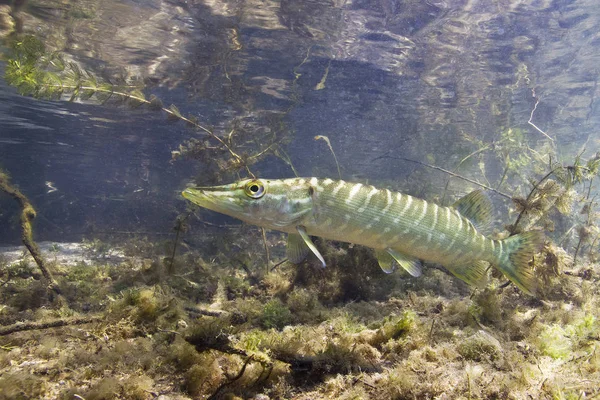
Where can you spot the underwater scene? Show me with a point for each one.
(299, 199)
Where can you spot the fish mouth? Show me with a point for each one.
(198, 196)
(212, 198)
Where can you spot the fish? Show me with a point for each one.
(402, 229)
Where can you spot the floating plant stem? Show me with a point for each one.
(326, 139)
(530, 121)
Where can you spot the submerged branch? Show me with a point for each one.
(232, 379)
(27, 215)
(30, 326)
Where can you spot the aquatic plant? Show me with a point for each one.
(36, 72)
(96, 248)
(481, 347)
(275, 314)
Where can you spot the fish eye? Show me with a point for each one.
(254, 189)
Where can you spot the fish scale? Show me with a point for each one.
(414, 225)
(402, 229)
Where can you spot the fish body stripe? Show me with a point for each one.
(353, 192)
(339, 187)
(364, 215)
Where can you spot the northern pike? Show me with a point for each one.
(401, 228)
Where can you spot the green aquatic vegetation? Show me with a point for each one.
(547, 194)
(84, 286)
(106, 389)
(145, 302)
(277, 283)
(21, 269)
(555, 343)
(481, 346)
(486, 307)
(563, 341)
(21, 386)
(305, 306)
(133, 387)
(203, 377)
(281, 345)
(343, 355)
(97, 248)
(394, 327)
(148, 308)
(211, 333)
(235, 286)
(275, 314)
(352, 274)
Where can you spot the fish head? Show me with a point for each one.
(276, 204)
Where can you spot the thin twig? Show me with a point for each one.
(267, 253)
(326, 139)
(530, 122)
(447, 172)
(431, 331)
(230, 381)
(178, 229)
(278, 264)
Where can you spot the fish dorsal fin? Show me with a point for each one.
(388, 259)
(308, 242)
(477, 208)
(296, 249)
(474, 274)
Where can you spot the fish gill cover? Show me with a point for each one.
(108, 110)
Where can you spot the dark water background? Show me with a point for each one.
(400, 78)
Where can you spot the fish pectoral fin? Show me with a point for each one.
(308, 242)
(388, 259)
(475, 274)
(296, 249)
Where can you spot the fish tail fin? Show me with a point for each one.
(514, 256)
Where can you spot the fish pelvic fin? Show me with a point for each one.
(389, 258)
(296, 250)
(515, 256)
(309, 244)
